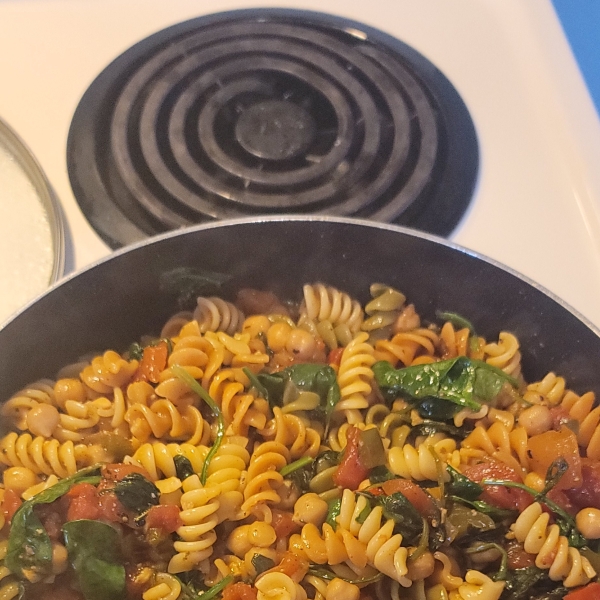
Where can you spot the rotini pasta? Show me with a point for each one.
(313, 449)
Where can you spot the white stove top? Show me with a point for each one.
(537, 202)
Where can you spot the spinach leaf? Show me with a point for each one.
(397, 507)
(429, 427)
(94, 552)
(462, 486)
(461, 381)
(137, 493)
(462, 520)
(318, 378)
(380, 474)
(29, 554)
(520, 581)
(334, 508)
(183, 466)
(327, 574)
(188, 283)
(456, 320)
(262, 563)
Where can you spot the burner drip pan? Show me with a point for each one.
(270, 111)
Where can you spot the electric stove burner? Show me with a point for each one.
(270, 111)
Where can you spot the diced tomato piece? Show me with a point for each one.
(589, 592)
(118, 471)
(111, 509)
(283, 523)
(164, 517)
(335, 356)
(588, 495)
(292, 565)
(239, 591)
(545, 448)
(350, 471)
(154, 361)
(517, 557)
(559, 416)
(498, 495)
(560, 497)
(11, 503)
(84, 503)
(419, 498)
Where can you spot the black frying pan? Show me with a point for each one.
(133, 292)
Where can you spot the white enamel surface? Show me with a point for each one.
(536, 206)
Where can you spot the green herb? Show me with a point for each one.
(94, 553)
(136, 350)
(456, 320)
(260, 389)
(429, 427)
(29, 553)
(462, 486)
(497, 514)
(564, 520)
(364, 513)
(462, 520)
(294, 466)
(182, 374)
(461, 381)
(397, 507)
(334, 508)
(137, 493)
(317, 378)
(328, 575)
(188, 283)
(262, 563)
(520, 581)
(183, 466)
(216, 589)
(380, 474)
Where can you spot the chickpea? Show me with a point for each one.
(19, 479)
(338, 589)
(536, 419)
(245, 537)
(43, 420)
(59, 558)
(69, 389)
(588, 522)
(309, 508)
(301, 344)
(421, 567)
(277, 335)
(256, 324)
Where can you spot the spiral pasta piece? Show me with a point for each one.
(216, 314)
(326, 303)
(278, 586)
(504, 354)
(408, 347)
(108, 371)
(551, 549)
(355, 374)
(199, 506)
(164, 420)
(478, 586)
(166, 587)
(158, 459)
(44, 456)
(293, 433)
(426, 462)
(263, 475)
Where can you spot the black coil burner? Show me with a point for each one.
(270, 111)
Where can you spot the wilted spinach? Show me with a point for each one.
(94, 553)
(188, 283)
(462, 382)
(29, 554)
(137, 493)
(318, 378)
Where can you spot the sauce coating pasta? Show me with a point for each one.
(327, 449)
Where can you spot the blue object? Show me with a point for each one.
(580, 20)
